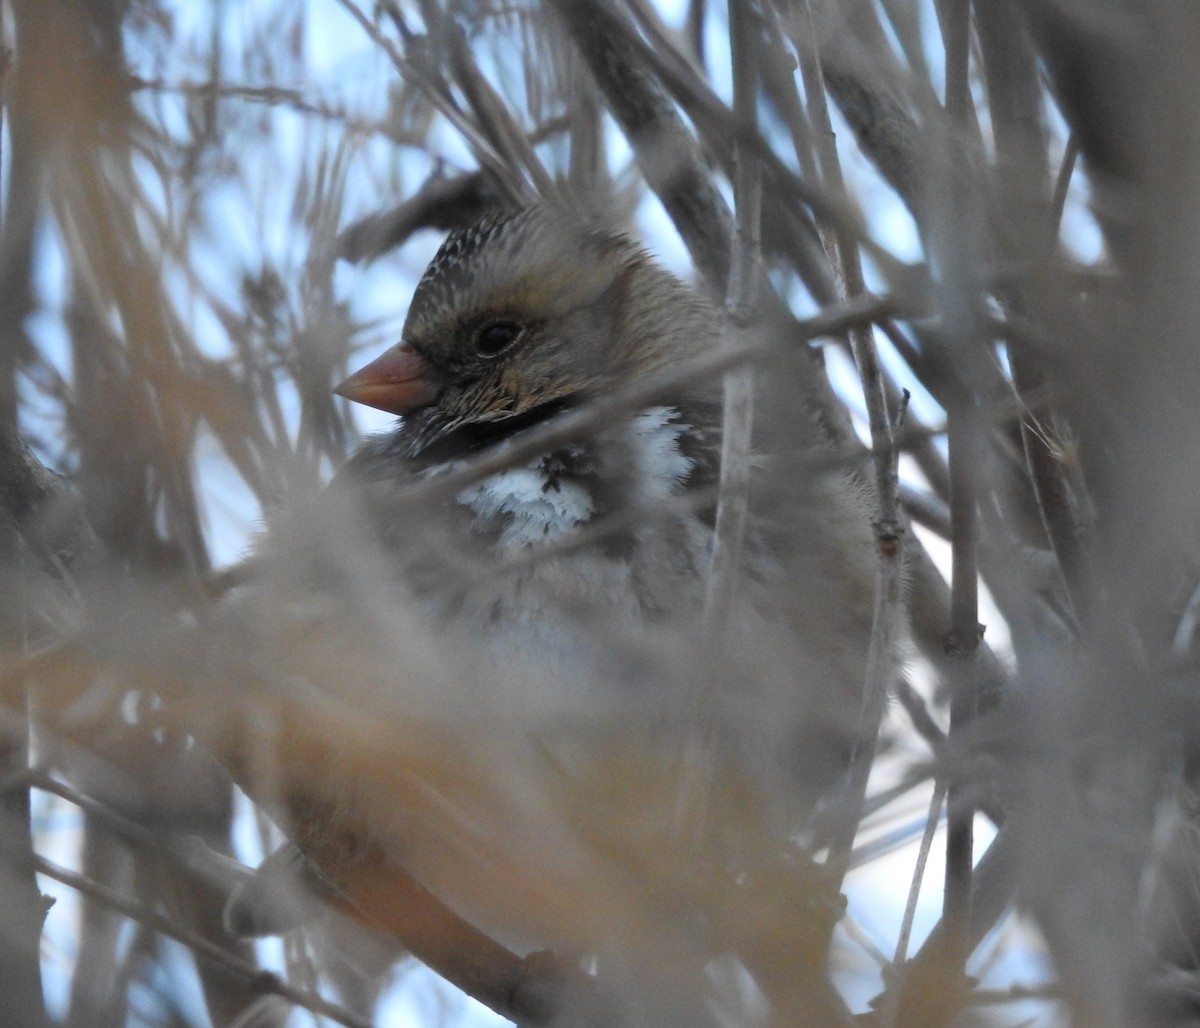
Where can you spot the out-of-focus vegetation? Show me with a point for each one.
(210, 209)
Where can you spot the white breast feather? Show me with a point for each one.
(661, 464)
(536, 514)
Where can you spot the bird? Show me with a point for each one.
(540, 624)
(526, 315)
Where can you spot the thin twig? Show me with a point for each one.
(1016, 994)
(914, 889)
(272, 96)
(891, 1006)
(439, 96)
(931, 986)
(263, 981)
(1062, 184)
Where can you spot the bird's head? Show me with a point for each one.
(524, 313)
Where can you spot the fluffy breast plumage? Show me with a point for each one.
(564, 560)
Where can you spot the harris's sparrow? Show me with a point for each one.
(595, 553)
(540, 625)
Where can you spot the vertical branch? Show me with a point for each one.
(963, 638)
(956, 35)
(740, 308)
(694, 29)
(586, 171)
(962, 644)
(738, 420)
(1032, 214)
(21, 932)
(25, 909)
(888, 523)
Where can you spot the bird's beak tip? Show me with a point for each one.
(398, 382)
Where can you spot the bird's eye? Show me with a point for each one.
(497, 336)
